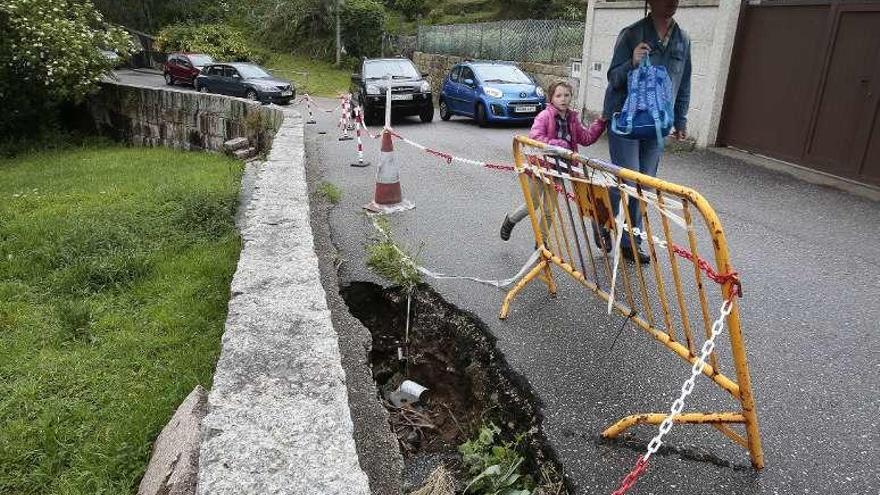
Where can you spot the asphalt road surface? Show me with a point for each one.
(807, 256)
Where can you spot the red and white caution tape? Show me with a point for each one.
(450, 158)
(677, 406)
(530, 262)
(312, 103)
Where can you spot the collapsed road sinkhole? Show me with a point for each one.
(468, 382)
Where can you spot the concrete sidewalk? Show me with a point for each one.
(807, 256)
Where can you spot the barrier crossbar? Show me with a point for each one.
(569, 201)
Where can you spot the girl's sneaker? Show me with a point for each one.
(506, 228)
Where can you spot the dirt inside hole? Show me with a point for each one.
(469, 384)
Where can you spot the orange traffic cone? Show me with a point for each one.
(388, 197)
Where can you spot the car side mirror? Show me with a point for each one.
(469, 82)
(355, 78)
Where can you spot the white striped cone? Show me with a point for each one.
(389, 196)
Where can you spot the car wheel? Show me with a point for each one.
(427, 114)
(481, 115)
(251, 95)
(169, 80)
(445, 114)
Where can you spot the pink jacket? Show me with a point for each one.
(544, 130)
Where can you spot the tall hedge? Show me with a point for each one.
(362, 23)
(221, 41)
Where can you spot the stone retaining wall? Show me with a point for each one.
(438, 66)
(278, 418)
(146, 116)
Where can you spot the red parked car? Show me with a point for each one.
(184, 67)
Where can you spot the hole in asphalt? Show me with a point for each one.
(469, 383)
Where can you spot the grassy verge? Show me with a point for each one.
(316, 77)
(114, 276)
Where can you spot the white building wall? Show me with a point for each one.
(711, 31)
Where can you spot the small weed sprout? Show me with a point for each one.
(494, 467)
(330, 191)
(390, 261)
(395, 265)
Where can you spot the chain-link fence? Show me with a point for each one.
(395, 45)
(520, 40)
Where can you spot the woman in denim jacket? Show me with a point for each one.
(659, 37)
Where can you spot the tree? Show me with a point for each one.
(50, 52)
(362, 24)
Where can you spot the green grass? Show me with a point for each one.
(115, 266)
(330, 191)
(322, 79)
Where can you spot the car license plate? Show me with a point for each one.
(287, 93)
(524, 108)
(401, 97)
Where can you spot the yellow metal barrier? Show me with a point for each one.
(568, 201)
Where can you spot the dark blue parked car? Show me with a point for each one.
(247, 80)
(490, 92)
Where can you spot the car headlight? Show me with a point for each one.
(493, 92)
(425, 87)
(267, 88)
(539, 91)
(372, 89)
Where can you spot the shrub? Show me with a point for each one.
(362, 24)
(49, 51)
(411, 9)
(494, 466)
(330, 191)
(220, 41)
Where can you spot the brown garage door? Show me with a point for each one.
(805, 86)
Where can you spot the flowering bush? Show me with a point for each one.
(50, 53)
(220, 41)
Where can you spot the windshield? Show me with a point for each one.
(251, 71)
(201, 60)
(501, 74)
(397, 69)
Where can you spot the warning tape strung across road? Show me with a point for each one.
(442, 276)
(449, 158)
(311, 102)
(628, 190)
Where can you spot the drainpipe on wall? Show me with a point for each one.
(585, 58)
(720, 59)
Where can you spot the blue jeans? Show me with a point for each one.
(642, 156)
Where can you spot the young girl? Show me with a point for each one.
(559, 126)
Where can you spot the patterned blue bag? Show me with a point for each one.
(647, 112)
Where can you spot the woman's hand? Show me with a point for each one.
(641, 50)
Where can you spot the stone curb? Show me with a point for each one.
(278, 414)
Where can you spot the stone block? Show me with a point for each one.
(246, 153)
(174, 467)
(236, 144)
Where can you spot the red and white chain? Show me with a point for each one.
(678, 405)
